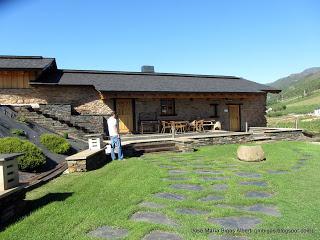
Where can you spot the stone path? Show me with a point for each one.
(153, 217)
(159, 235)
(254, 183)
(203, 184)
(108, 232)
(191, 211)
(190, 187)
(249, 174)
(243, 222)
(170, 196)
(211, 198)
(256, 194)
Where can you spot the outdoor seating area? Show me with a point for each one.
(180, 126)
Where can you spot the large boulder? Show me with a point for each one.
(250, 153)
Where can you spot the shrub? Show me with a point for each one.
(65, 135)
(55, 143)
(22, 119)
(18, 132)
(33, 157)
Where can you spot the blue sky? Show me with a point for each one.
(258, 40)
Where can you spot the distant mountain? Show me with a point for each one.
(298, 84)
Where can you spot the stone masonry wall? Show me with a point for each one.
(252, 110)
(84, 99)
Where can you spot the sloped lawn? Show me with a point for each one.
(205, 189)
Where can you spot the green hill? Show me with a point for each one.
(297, 85)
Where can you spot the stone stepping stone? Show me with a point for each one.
(191, 211)
(257, 194)
(153, 217)
(191, 187)
(220, 187)
(270, 210)
(254, 183)
(214, 178)
(207, 172)
(170, 196)
(177, 172)
(241, 222)
(108, 232)
(261, 208)
(152, 205)
(159, 235)
(277, 171)
(211, 198)
(249, 174)
(217, 237)
(176, 179)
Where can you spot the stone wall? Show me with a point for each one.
(251, 110)
(84, 99)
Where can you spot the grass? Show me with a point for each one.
(306, 123)
(72, 205)
(299, 105)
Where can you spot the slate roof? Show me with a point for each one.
(155, 82)
(25, 62)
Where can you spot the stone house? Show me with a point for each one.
(135, 96)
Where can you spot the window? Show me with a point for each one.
(214, 108)
(167, 107)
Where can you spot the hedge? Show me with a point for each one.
(55, 143)
(33, 157)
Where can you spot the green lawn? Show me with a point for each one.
(74, 204)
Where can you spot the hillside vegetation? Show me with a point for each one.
(296, 85)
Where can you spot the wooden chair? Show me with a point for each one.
(166, 125)
(192, 126)
(199, 125)
(181, 126)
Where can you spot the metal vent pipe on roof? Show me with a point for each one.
(147, 69)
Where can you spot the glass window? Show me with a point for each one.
(167, 107)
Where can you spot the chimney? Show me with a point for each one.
(147, 69)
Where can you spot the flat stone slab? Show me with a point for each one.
(254, 183)
(191, 187)
(203, 172)
(214, 178)
(277, 171)
(176, 179)
(201, 166)
(257, 194)
(261, 208)
(217, 237)
(211, 198)
(108, 232)
(152, 205)
(191, 211)
(248, 174)
(220, 187)
(242, 222)
(177, 172)
(270, 210)
(159, 235)
(170, 196)
(153, 217)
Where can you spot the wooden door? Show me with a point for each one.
(234, 117)
(125, 114)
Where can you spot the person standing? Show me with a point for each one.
(115, 141)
